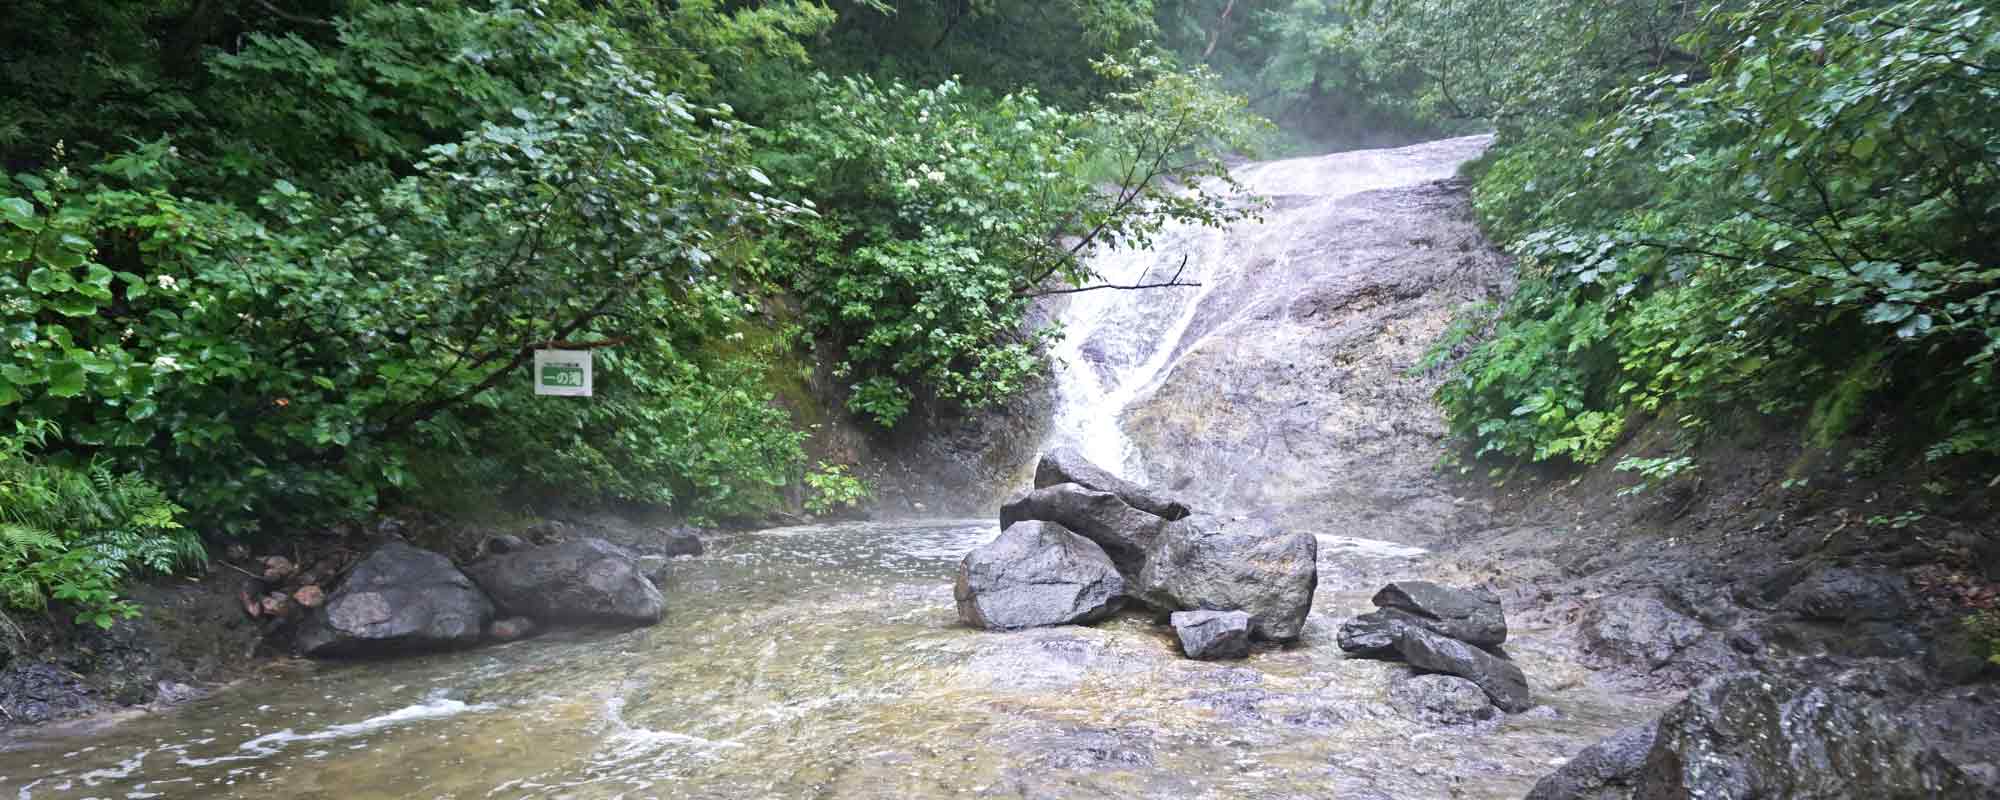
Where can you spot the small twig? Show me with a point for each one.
(1170, 282)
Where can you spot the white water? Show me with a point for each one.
(1117, 344)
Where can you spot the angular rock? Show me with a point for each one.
(1753, 735)
(1433, 652)
(1849, 595)
(400, 599)
(1468, 615)
(1374, 634)
(1212, 635)
(1607, 770)
(1204, 562)
(1125, 533)
(1441, 699)
(587, 581)
(506, 543)
(511, 628)
(1067, 465)
(1637, 629)
(1037, 574)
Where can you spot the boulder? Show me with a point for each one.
(1640, 630)
(1607, 770)
(1037, 574)
(680, 542)
(1468, 615)
(1212, 635)
(1067, 465)
(1204, 562)
(1500, 679)
(1374, 634)
(1747, 735)
(587, 581)
(1440, 699)
(399, 599)
(1125, 533)
(1849, 595)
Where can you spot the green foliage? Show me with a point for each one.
(74, 534)
(1654, 471)
(1800, 205)
(1985, 629)
(833, 489)
(941, 217)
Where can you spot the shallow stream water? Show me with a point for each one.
(827, 662)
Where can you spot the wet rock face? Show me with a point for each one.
(1607, 770)
(1751, 735)
(32, 691)
(1212, 635)
(1849, 595)
(1500, 679)
(1067, 465)
(680, 542)
(1125, 533)
(400, 599)
(1441, 699)
(1639, 630)
(1468, 615)
(1037, 574)
(1204, 562)
(586, 581)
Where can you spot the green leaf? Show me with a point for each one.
(17, 211)
(65, 379)
(141, 410)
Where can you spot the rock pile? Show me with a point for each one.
(1083, 542)
(1440, 629)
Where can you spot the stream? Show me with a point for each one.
(827, 661)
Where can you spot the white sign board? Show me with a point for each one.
(564, 373)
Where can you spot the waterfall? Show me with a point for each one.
(1117, 345)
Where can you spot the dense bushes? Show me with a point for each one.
(1795, 215)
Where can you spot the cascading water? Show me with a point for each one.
(1119, 344)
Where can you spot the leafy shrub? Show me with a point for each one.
(941, 216)
(833, 489)
(1805, 210)
(74, 534)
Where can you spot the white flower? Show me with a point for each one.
(168, 282)
(936, 175)
(167, 364)
(912, 183)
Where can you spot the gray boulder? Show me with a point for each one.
(1500, 679)
(1640, 630)
(587, 581)
(1067, 465)
(1849, 595)
(400, 599)
(680, 542)
(1212, 635)
(1440, 699)
(1125, 533)
(1374, 634)
(1037, 574)
(1468, 615)
(1607, 770)
(1750, 735)
(1203, 562)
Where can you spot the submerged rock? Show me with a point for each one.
(1212, 635)
(1440, 699)
(1067, 465)
(1468, 615)
(1433, 652)
(1607, 770)
(1037, 574)
(1637, 629)
(1203, 562)
(1125, 533)
(580, 581)
(680, 542)
(400, 599)
(1750, 735)
(1374, 634)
